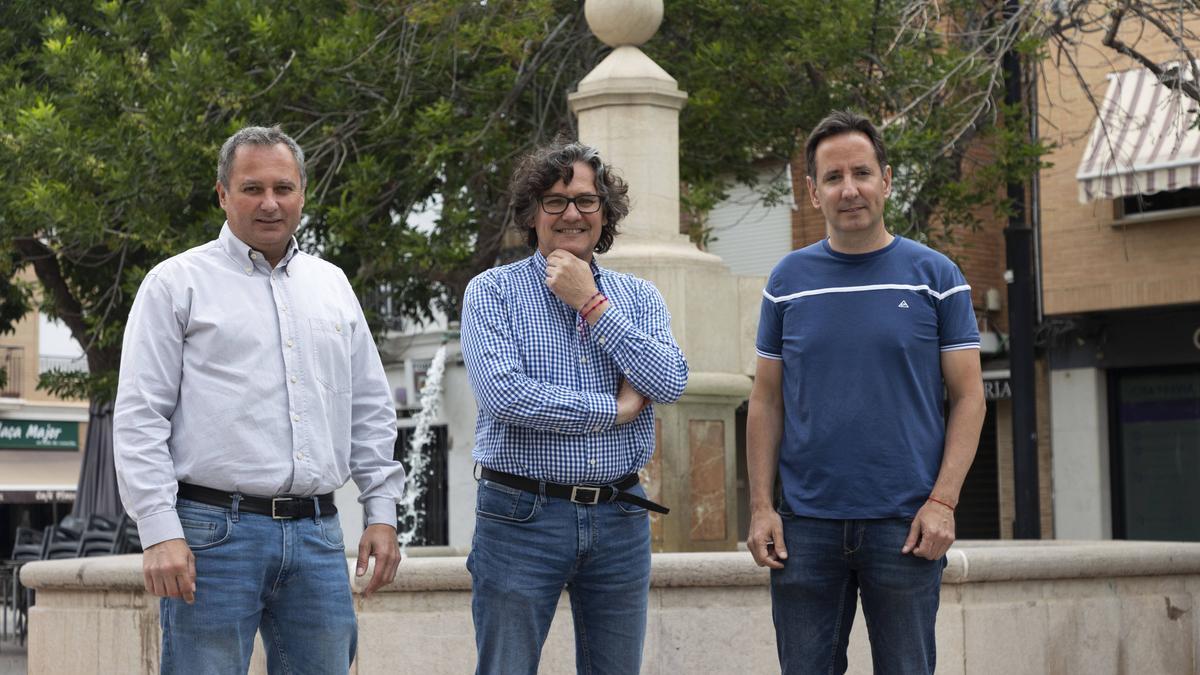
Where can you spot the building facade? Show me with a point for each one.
(41, 436)
(1121, 289)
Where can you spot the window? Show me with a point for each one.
(1175, 203)
(1155, 437)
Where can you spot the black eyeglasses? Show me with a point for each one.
(556, 204)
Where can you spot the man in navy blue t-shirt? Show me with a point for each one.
(859, 333)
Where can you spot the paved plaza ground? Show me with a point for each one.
(12, 657)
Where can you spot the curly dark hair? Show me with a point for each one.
(837, 123)
(538, 171)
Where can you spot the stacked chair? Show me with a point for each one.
(97, 537)
(71, 538)
(29, 545)
(62, 540)
(126, 539)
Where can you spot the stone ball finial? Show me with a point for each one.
(623, 22)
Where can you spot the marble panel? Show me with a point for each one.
(706, 440)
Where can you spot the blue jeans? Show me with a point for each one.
(527, 548)
(287, 578)
(814, 597)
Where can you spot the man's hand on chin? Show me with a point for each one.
(569, 278)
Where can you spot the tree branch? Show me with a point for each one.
(49, 273)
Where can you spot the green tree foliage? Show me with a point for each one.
(927, 72)
(112, 112)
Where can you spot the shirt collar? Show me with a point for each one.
(538, 262)
(240, 252)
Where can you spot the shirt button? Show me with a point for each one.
(295, 417)
(628, 372)
(592, 462)
(253, 255)
(283, 308)
(601, 339)
(289, 342)
(249, 269)
(598, 429)
(337, 327)
(583, 359)
(293, 379)
(299, 455)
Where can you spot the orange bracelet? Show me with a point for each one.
(938, 501)
(603, 299)
(589, 301)
(588, 306)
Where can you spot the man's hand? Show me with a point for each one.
(932, 532)
(378, 541)
(569, 278)
(169, 570)
(765, 539)
(629, 402)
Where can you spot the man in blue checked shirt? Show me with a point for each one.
(565, 358)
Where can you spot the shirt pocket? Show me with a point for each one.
(331, 353)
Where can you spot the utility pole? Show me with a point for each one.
(1018, 237)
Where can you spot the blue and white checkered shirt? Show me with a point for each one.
(546, 382)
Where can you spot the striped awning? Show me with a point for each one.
(1144, 140)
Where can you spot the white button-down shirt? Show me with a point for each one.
(244, 378)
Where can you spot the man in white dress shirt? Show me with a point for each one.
(250, 389)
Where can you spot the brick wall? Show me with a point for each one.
(1088, 263)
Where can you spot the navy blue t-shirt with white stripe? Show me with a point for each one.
(861, 337)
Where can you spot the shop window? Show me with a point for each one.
(978, 513)
(1155, 438)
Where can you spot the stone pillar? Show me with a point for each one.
(628, 107)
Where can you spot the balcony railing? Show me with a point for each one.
(12, 361)
(64, 363)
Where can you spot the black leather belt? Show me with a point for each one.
(580, 494)
(279, 508)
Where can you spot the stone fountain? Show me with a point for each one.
(628, 107)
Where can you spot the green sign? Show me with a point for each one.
(38, 435)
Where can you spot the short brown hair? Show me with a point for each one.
(541, 169)
(837, 123)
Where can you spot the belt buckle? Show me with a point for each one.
(575, 495)
(274, 503)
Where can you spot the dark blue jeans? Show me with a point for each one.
(527, 548)
(814, 597)
(285, 578)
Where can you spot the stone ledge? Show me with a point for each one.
(1028, 560)
(972, 562)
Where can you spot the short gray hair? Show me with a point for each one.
(268, 136)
